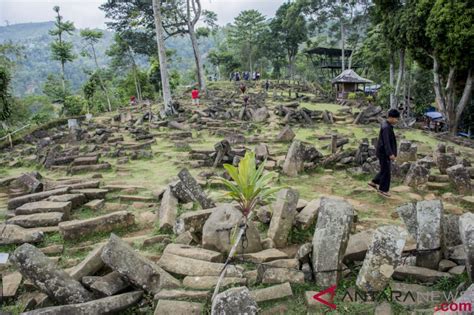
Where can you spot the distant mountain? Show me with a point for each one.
(32, 71)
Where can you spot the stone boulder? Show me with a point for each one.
(460, 179)
(47, 277)
(417, 175)
(284, 212)
(14, 234)
(217, 231)
(466, 228)
(406, 152)
(234, 301)
(286, 135)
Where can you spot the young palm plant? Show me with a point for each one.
(249, 187)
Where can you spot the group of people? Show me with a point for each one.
(236, 76)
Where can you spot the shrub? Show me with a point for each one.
(74, 105)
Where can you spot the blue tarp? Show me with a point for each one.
(434, 115)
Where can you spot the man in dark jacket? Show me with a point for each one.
(386, 151)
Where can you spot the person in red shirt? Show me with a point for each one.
(195, 96)
(132, 100)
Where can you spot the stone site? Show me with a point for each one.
(123, 213)
(236, 157)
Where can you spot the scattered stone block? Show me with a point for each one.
(265, 255)
(89, 265)
(10, 284)
(358, 245)
(44, 206)
(234, 301)
(209, 282)
(193, 252)
(21, 200)
(218, 228)
(14, 234)
(458, 270)
(194, 190)
(52, 250)
(108, 305)
(466, 228)
(417, 175)
(330, 240)
(47, 277)
(168, 210)
(421, 274)
(91, 193)
(167, 294)
(37, 219)
(194, 267)
(89, 168)
(294, 159)
(192, 221)
(429, 215)
(272, 293)
(106, 223)
(138, 270)
(173, 307)
(110, 284)
(408, 214)
(31, 181)
(76, 200)
(460, 179)
(382, 257)
(306, 217)
(274, 275)
(95, 204)
(445, 265)
(286, 135)
(284, 212)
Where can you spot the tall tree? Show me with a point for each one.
(449, 29)
(9, 53)
(91, 38)
(61, 49)
(288, 31)
(165, 83)
(323, 14)
(193, 13)
(246, 34)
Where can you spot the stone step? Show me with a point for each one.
(209, 282)
(91, 193)
(438, 186)
(86, 160)
(126, 198)
(441, 178)
(89, 168)
(44, 206)
(76, 200)
(37, 219)
(95, 204)
(19, 201)
(113, 187)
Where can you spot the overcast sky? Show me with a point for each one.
(85, 13)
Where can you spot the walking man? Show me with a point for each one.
(386, 152)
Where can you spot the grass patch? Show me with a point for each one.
(450, 284)
(298, 236)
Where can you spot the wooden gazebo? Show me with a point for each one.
(347, 82)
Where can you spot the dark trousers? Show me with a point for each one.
(383, 177)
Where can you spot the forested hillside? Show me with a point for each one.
(33, 68)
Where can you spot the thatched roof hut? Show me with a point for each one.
(347, 82)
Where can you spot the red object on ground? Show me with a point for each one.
(132, 98)
(195, 94)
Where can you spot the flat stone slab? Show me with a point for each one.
(106, 223)
(114, 187)
(272, 293)
(421, 274)
(37, 219)
(110, 284)
(89, 265)
(265, 255)
(21, 200)
(91, 193)
(44, 206)
(209, 282)
(95, 204)
(76, 200)
(194, 267)
(174, 307)
(193, 252)
(192, 220)
(270, 275)
(108, 305)
(14, 234)
(307, 216)
(168, 294)
(86, 160)
(358, 245)
(11, 283)
(137, 198)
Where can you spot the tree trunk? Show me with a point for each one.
(135, 76)
(392, 81)
(465, 98)
(165, 83)
(102, 85)
(194, 42)
(63, 80)
(437, 86)
(401, 71)
(343, 65)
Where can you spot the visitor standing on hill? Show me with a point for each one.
(243, 88)
(267, 85)
(195, 96)
(386, 152)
